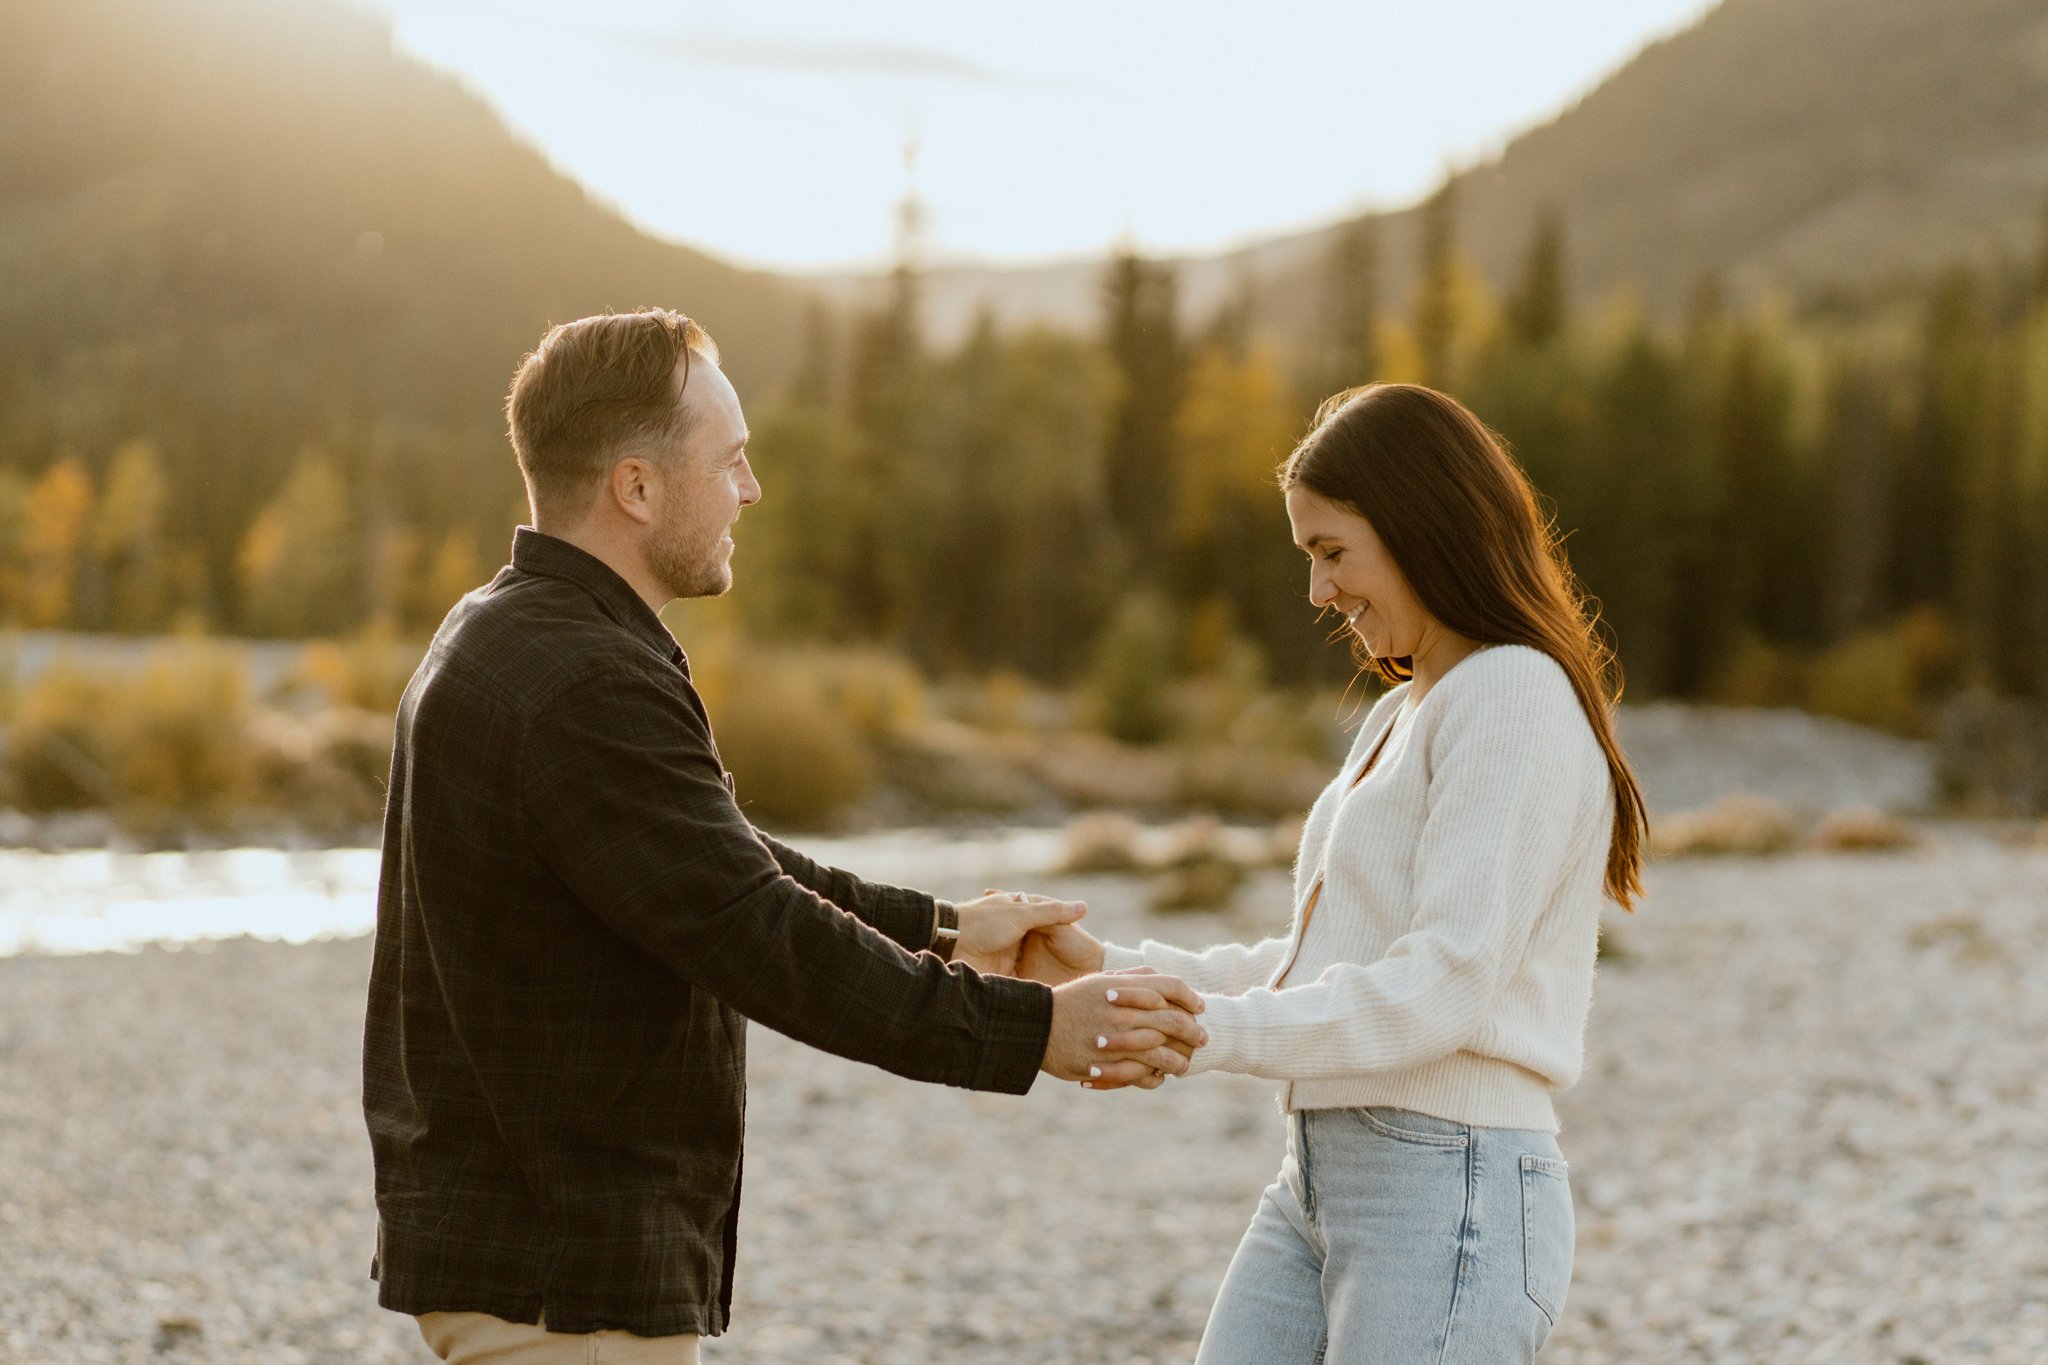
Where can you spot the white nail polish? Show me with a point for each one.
(1112, 995)
(1095, 1071)
(1102, 1040)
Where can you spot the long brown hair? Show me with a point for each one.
(1461, 521)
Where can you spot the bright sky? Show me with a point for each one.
(773, 131)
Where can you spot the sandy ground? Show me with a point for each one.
(1814, 1127)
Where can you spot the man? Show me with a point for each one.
(574, 916)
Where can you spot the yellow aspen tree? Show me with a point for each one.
(298, 563)
(55, 515)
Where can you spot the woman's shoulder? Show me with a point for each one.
(1514, 690)
(1493, 671)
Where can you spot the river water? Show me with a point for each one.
(98, 901)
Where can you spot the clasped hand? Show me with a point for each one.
(1109, 1029)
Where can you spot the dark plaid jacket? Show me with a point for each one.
(572, 920)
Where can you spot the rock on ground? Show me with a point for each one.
(1810, 1130)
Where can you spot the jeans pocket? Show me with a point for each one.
(1546, 1233)
(1405, 1125)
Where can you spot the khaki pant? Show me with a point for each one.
(480, 1339)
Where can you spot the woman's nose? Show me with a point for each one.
(1321, 591)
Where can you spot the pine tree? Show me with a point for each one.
(1538, 310)
(1635, 516)
(1351, 306)
(1231, 329)
(1232, 547)
(128, 539)
(1855, 514)
(1436, 302)
(1766, 556)
(1938, 446)
(886, 402)
(813, 384)
(1141, 335)
(2041, 263)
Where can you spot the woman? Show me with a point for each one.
(1432, 992)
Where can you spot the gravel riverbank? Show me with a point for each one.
(1810, 1130)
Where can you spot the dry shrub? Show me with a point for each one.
(1991, 754)
(1857, 829)
(795, 760)
(327, 770)
(878, 694)
(1006, 702)
(1739, 824)
(1868, 680)
(1103, 841)
(1311, 724)
(1249, 781)
(60, 749)
(1133, 670)
(1888, 678)
(1090, 770)
(1961, 932)
(182, 742)
(368, 671)
(1003, 701)
(1197, 839)
(801, 728)
(1757, 673)
(1203, 870)
(168, 747)
(1208, 885)
(949, 767)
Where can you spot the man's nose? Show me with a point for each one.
(750, 487)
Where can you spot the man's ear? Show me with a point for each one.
(631, 488)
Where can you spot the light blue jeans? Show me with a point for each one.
(1394, 1238)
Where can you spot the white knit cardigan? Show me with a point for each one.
(1447, 967)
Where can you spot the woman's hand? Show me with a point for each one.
(1123, 1028)
(1058, 954)
(1139, 980)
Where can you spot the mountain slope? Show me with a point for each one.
(236, 226)
(1802, 144)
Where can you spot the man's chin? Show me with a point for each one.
(716, 583)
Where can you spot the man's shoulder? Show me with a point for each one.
(526, 639)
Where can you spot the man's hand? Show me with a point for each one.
(1123, 1028)
(993, 928)
(1059, 954)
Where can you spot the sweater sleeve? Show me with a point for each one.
(1226, 969)
(1511, 788)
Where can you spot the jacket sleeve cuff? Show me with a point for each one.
(910, 919)
(1020, 1024)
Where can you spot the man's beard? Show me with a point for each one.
(685, 569)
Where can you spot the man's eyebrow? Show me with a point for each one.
(737, 446)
